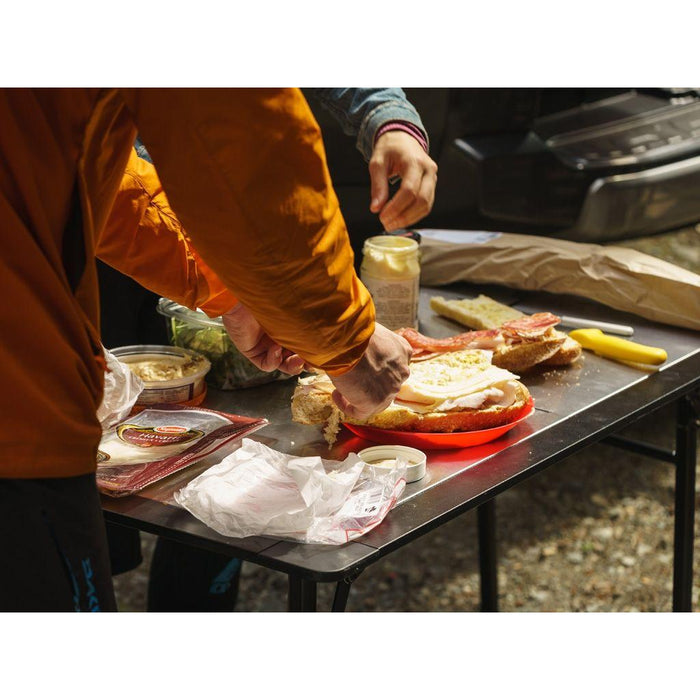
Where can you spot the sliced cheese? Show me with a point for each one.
(435, 384)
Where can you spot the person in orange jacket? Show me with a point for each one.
(392, 139)
(262, 215)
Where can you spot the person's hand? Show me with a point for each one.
(255, 344)
(398, 154)
(372, 383)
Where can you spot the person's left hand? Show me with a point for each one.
(398, 154)
(255, 344)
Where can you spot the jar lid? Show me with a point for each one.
(396, 245)
(172, 309)
(384, 457)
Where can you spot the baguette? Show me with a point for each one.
(431, 397)
(569, 351)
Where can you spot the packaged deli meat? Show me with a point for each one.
(162, 440)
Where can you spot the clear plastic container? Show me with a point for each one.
(170, 374)
(391, 272)
(194, 330)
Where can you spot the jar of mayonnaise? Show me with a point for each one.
(391, 272)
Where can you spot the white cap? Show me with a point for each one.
(416, 460)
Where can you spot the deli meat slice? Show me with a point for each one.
(530, 327)
(484, 340)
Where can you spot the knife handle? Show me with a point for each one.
(618, 348)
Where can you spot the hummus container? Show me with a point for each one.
(194, 330)
(384, 457)
(170, 374)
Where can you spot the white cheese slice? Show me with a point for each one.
(445, 385)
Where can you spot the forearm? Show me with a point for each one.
(362, 112)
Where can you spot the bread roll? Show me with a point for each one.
(436, 398)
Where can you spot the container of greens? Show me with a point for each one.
(194, 330)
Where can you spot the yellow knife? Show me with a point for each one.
(618, 348)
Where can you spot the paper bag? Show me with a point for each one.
(618, 277)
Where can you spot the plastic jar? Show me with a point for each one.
(391, 272)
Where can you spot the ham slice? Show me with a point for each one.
(530, 327)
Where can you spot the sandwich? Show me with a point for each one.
(447, 392)
(519, 342)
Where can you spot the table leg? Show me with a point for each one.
(342, 591)
(488, 565)
(302, 595)
(684, 516)
(340, 599)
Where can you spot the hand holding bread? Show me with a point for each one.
(372, 383)
(450, 392)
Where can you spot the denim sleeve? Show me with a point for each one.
(362, 111)
(141, 150)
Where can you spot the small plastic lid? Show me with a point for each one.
(382, 456)
(171, 309)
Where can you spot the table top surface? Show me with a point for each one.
(574, 406)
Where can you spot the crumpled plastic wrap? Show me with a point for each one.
(621, 278)
(122, 388)
(259, 491)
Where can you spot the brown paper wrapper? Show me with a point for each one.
(621, 278)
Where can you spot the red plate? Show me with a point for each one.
(439, 441)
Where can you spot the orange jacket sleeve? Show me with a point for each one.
(245, 172)
(143, 239)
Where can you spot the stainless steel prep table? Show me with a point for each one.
(575, 407)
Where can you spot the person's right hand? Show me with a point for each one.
(254, 343)
(372, 383)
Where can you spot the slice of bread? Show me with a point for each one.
(569, 351)
(520, 357)
(480, 313)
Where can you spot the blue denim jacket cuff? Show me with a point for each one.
(391, 111)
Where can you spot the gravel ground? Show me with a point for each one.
(592, 533)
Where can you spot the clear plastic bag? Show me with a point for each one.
(259, 491)
(122, 388)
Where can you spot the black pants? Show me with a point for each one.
(182, 578)
(54, 547)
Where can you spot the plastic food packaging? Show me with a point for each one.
(162, 440)
(194, 330)
(121, 391)
(169, 374)
(259, 491)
